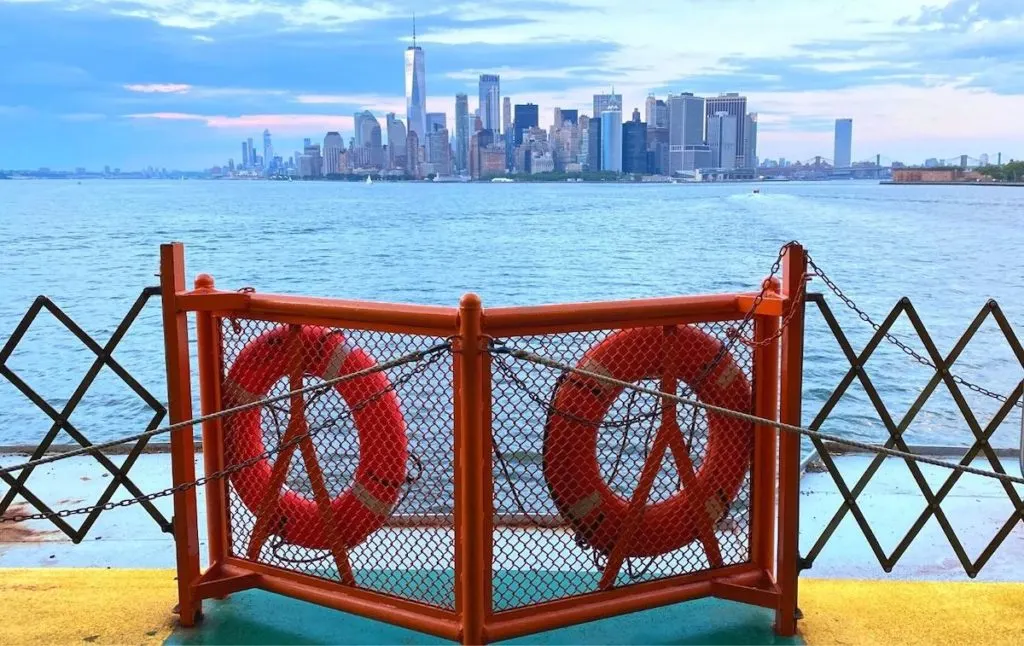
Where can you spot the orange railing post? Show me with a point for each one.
(472, 475)
(766, 443)
(794, 277)
(179, 407)
(208, 337)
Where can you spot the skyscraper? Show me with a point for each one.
(611, 138)
(685, 128)
(657, 145)
(251, 159)
(333, 147)
(506, 114)
(412, 150)
(750, 145)
(363, 124)
(490, 101)
(602, 101)
(245, 155)
(396, 139)
(526, 116)
(649, 107)
(312, 165)
(415, 89)
(723, 136)
(594, 145)
(843, 152)
(634, 145)
(268, 149)
(660, 115)
(583, 125)
(440, 151)
(736, 106)
(461, 132)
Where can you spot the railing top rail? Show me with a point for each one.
(497, 320)
(510, 321)
(441, 320)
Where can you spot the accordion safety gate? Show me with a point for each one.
(414, 465)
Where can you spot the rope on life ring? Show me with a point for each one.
(383, 447)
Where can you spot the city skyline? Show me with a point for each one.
(177, 86)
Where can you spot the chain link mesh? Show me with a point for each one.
(369, 499)
(544, 424)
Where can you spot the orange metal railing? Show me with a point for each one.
(470, 543)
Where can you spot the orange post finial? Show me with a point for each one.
(204, 281)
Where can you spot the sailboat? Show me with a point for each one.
(368, 180)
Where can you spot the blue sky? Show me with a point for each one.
(179, 83)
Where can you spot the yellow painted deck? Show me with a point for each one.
(116, 606)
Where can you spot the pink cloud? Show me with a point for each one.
(158, 88)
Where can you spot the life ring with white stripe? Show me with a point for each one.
(579, 406)
(383, 448)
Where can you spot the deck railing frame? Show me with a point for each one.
(768, 579)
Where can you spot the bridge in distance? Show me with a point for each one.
(880, 167)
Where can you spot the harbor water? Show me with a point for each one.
(92, 247)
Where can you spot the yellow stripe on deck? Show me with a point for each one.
(100, 606)
(911, 612)
(97, 606)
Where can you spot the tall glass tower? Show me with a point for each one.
(415, 89)
(843, 143)
(611, 138)
(490, 101)
(268, 150)
(461, 132)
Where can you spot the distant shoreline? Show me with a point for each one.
(892, 183)
(385, 180)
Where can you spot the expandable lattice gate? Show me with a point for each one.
(410, 464)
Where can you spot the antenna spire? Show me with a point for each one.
(414, 29)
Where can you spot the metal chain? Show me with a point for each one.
(760, 297)
(530, 357)
(428, 357)
(92, 449)
(889, 336)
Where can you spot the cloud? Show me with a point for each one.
(158, 88)
(287, 123)
(521, 74)
(914, 74)
(204, 14)
(960, 15)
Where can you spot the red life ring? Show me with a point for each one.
(365, 505)
(571, 467)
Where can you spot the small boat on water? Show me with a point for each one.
(368, 180)
(757, 191)
(502, 180)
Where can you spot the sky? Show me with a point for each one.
(180, 83)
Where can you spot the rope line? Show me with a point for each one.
(429, 357)
(412, 357)
(525, 355)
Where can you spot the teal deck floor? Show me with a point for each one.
(257, 617)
